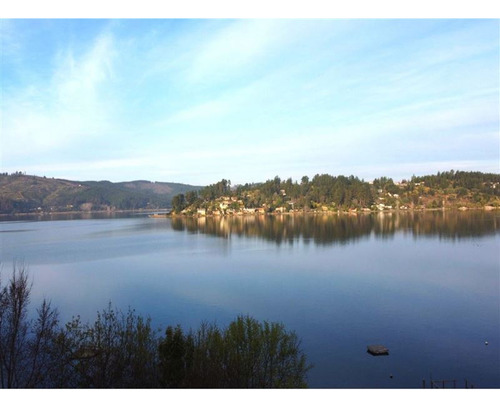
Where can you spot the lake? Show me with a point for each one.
(425, 285)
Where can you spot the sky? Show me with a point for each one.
(197, 100)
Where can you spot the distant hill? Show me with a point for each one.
(26, 193)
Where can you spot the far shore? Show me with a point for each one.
(167, 213)
(329, 212)
(44, 213)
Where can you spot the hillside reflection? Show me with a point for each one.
(342, 229)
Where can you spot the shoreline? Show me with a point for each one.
(24, 214)
(331, 212)
(166, 213)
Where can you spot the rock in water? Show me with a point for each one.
(378, 350)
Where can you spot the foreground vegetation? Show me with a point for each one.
(329, 193)
(122, 350)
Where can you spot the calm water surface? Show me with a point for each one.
(427, 286)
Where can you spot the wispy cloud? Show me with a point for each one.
(233, 48)
(71, 107)
(76, 80)
(204, 111)
(11, 46)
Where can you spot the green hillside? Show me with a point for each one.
(20, 193)
(450, 189)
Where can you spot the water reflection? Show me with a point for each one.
(72, 216)
(340, 229)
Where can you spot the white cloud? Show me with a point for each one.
(70, 108)
(76, 81)
(236, 45)
(218, 107)
(244, 45)
(11, 46)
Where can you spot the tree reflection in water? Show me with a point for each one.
(326, 229)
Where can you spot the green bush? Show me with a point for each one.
(121, 350)
(246, 354)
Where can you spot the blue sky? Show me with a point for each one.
(195, 101)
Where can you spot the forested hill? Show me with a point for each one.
(20, 193)
(450, 189)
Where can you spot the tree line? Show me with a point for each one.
(470, 180)
(274, 193)
(122, 350)
(343, 193)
